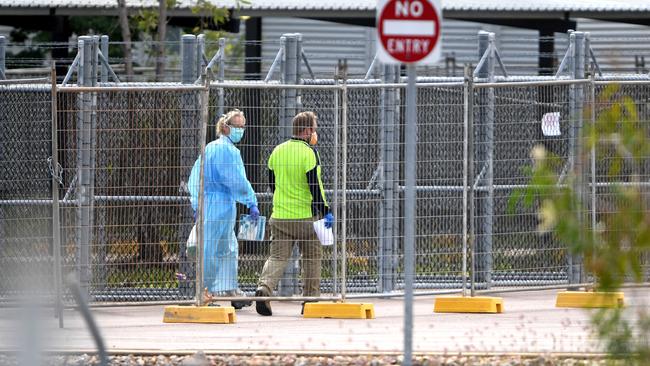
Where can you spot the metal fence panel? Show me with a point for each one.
(520, 254)
(127, 151)
(136, 247)
(607, 181)
(26, 251)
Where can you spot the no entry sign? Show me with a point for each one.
(408, 31)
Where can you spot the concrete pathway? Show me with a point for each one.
(530, 323)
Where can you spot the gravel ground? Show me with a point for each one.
(200, 359)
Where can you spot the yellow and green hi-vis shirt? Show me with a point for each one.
(295, 178)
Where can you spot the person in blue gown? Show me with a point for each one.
(225, 184)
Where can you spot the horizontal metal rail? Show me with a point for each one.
(622, 82)
(350, 192)
(491, 291)
(106, 89)
(505, 84)
(24, 81)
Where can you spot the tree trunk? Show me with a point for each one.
(162, 30)
(126, 37)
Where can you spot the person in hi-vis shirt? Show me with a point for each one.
(298, 200)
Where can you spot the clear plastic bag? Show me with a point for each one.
(250, 229)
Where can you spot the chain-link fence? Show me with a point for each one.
(126, 151)
(26, 250)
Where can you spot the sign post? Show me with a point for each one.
(408, 32)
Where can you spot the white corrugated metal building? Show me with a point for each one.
(615, 44)
(619, 29)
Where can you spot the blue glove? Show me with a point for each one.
(329, 220)
(254, 213)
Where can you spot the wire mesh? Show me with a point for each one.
(510, 250)
(609, 181)
(26, 250)
(135, 146)
(127, 150)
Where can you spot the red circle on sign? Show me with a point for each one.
(408, 29)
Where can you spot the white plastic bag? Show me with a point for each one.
(190, 246)
(325, 235)
(551, 124)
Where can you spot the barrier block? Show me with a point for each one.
(584, 299)
(339, 310)
(199, 314)
(460, 304)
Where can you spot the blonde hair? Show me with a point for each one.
(226, 119)
(303, 121)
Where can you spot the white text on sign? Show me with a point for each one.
(408, 31)
(409, 9)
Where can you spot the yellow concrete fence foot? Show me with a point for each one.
(585, 299)
(339, 310)
(460, 304)
(199, 314)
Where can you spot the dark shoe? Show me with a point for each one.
(263, 307)
(239, 304)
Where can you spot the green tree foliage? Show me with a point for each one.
(615, 248)
(147, 19)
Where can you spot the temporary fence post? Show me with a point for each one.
(398, 221)
(290, 77)
(3, 51)
(200, 52)
(289, 283)
(102, 272)
(575, 260)
(468, 121)
(188, 66)
(204, 105)
(282, 129)
(104, 49)
(477, 272)
(298, 69)
(190, 139)
(488, 223)
(84, 140)
(95, 55)
(381, 227)
(387, 185)
(482, 256)
(343, 69)
(335, 199)
(100, 267)
(592, 113)
(56, 222)
(221, 75)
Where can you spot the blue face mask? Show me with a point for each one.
(236, 133)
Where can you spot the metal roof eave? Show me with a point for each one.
(305, 13)
(365, 13)
(613, 15)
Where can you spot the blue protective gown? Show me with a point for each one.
(225, 183)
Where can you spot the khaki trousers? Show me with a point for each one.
(284, 233)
